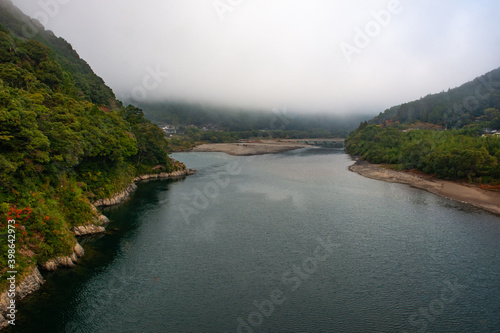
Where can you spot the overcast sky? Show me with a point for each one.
(313, 55)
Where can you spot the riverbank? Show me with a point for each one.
(250, 148)
(459, 191)
(122, 196)
(32, 281)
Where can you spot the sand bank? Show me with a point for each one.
(460, 191)
(251, 148)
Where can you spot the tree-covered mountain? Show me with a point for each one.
(455, 108)
(239, 119)
(64, 142)
(88, 84)
(451, 135)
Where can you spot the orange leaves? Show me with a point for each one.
(490, 187)
(23, 214)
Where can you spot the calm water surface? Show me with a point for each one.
(292, 242)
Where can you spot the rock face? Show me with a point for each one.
(117, 198)
(124, 195)
(67, 262)
(165, 175)
(89, 229)
(100, 219)
(29, 284)
(34, 280)
(78, 250)
(92, 229)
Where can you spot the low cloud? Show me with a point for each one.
(262, 54)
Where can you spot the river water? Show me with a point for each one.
(291, 242)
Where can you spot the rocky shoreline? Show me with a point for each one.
(29, 284)
(33, 281)
(125, 194)
(68, 262)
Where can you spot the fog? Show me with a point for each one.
(341, 57)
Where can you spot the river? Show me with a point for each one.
(291, 242)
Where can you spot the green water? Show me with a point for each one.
(292, 242)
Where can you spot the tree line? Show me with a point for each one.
(450, 154)
(455, 108)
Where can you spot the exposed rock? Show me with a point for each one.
(67, 262)
(79, 251)
(158, 167)
(165, 175)
(28, 284)
(124, 195)
(117, 198)
(101, 219)
(92, 229)
(88, 229)
(55, 263)
(3, 322)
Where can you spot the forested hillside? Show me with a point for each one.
(452, 154)
(64, 142)
(455, 108)
(453, 135)
(89, 85)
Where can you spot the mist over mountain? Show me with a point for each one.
(22, 26)
(454, 108)
(181, 113)
(313, 56)
(452, 135)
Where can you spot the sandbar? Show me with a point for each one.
(250, 148)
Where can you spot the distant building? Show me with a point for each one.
(489, 132)
(169, 129)
(210, 128)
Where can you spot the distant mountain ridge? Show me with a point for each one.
(455, 108)
(241, 119)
